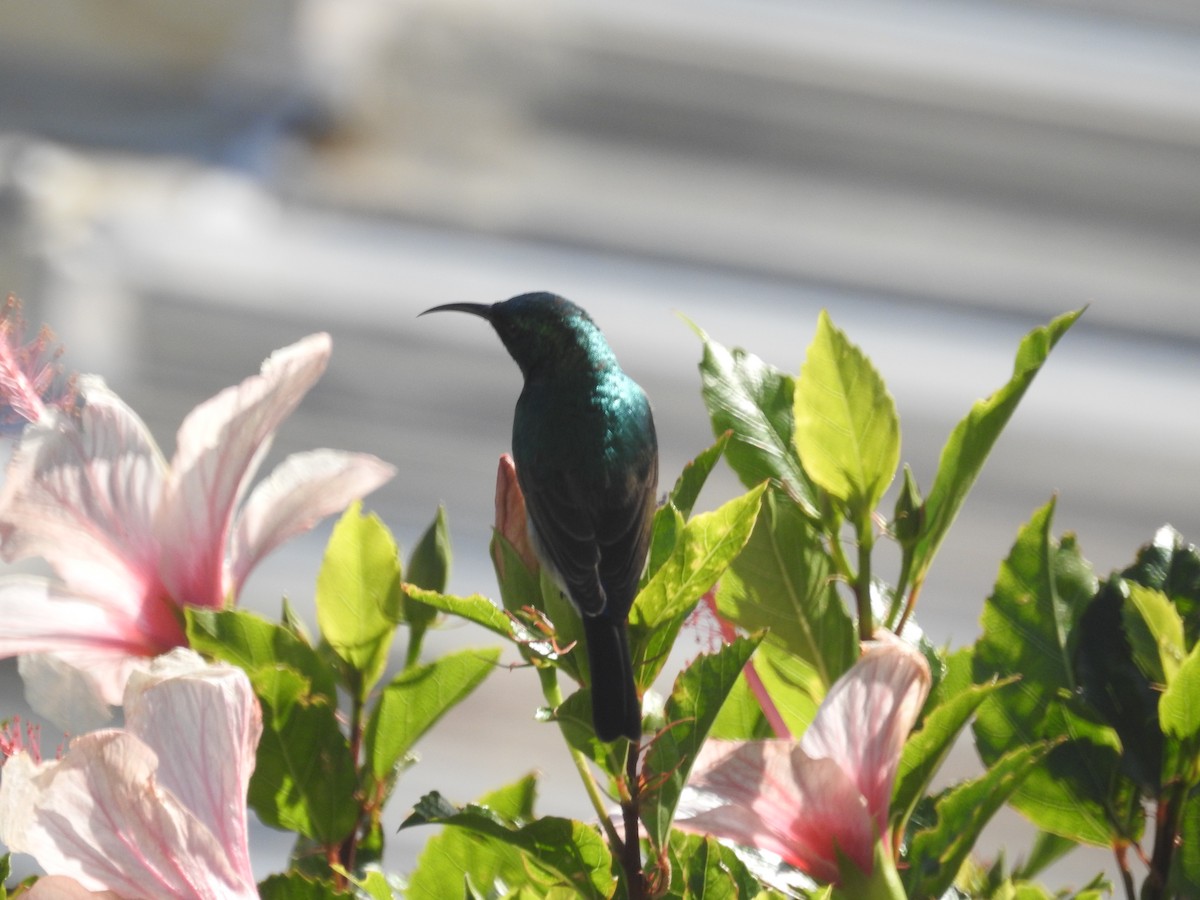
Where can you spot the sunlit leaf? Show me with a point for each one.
(754, 401)
(416, 699)
(847, 433)
(358, 594)
(783, 581)
(972, 440)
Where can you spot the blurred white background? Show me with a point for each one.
(185, 187)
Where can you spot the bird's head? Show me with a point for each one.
(546, 334)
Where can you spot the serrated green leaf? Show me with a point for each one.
(847, 433)
(699, 692)
(741, 717)
(474, 608)
(457, 860)
(704, 869)
(783, 581)
(754, 402)
(962, 812)
(304, 777)
(1041, 592)
(1168, 565)
(574, 716)
(358, 594)
(927, 748)
(558, 852)
(703, 552)
(665, 528)
(416, 699)
(972, 440)
(1179, 709)
(250, 642)
(695, 474)
(1155, 632)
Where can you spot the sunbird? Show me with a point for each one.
(586, 455)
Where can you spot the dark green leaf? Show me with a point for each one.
(1170, 566)
(250, 642)
(1114, 685)
(754, 401)
(1028, 623)
(972, 440)
(457, 859)
(847, 433)
(416, 698)
(304, 778)
(783, 581)
(558, 852)
(358, 594)
(962, 812)
(1185, 865)
(690, 711)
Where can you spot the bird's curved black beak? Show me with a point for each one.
(483, 310)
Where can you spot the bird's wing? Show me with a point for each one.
(623, 533)
(565, 536)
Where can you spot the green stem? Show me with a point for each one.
(862, 582)
(882, 884)
(553, 694)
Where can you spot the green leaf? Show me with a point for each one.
(1040, 594)
(972, 440)
(558, 852)
(1047, 849)
(1155, 632)
(783, 581)
(457, 860)
(754, 401)
(667, 525)
(1179, 709)
(428, 568)
(304, 778)
(358, 594)
(927, 748)
(1170, 566)
(1184, 878)
(704, 869)
(695, 474)
(295, 886)
(699, 692)
(962, 812)
(847, 432)
(250, 642)
(1112, 683)
(741, 718)
(794, 687)
(416, 699)
(474, 608)
(704, 550)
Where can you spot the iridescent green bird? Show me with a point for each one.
(586, 455)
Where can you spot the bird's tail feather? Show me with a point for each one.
(616, 710)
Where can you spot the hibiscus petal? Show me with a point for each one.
(204, 723)
(98, 816)
(302, 490)
(219, 446)
(866, 717)
(769, 795)
(82, 494)
(56, 887)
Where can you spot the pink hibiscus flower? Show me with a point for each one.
(827, 794)
(132, 538)
(156, 809)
